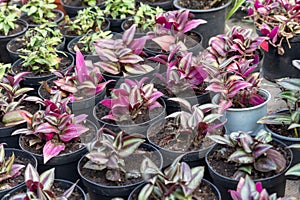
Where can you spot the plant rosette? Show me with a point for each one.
(163, 4)
(72, 7)
(13, 162)
(264, 159)
(112, 166)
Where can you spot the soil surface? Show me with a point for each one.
(202, 4)
(141, 118)
(79, 3)
(282, 130)
(218, 161)
(29, 19)
(132, 164)
(152, 1)
(166, 138)
(20, 27)
(204, 192)
(64, 63)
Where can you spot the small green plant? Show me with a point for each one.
(119, 8)
(145, 16)
(90, 18)
(295, 170)
(178, 181)
(8, 170)
(4, 68)
(108, 153)
(8, 17)
(39, 10)
(90, 2)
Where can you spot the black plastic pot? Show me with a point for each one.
(12, 141)
(136, 191)
(98, 191)
(18, 154)
(73, 10)
(274, 184)
(275, 66)
(61, 15)
(165, 5)
(34, 82)
(115, 24)
(63, 184)
(65, 164)
(4, 55)
(15, 55)
(84, 106)
(215, 18)
(132, 128)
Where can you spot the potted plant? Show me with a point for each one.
(12, 98)
(111, 168)
(34, 38)
(38, 12)
(214, 12)
(186, 132)
(284, 124)
(247, 189)
(263, 158)
(44, 186)
(12, 164)
(183, 78)
(163, 4)
(144, 18)
(40, 62)
(231, 61)
(11, 27)
(72, 7)
(85, 43)
(178, 181)
(116, 11)
(54, 136)
(278, 22)
(85, 87)
(90, 19)
(132, 107)
(122, 58)
(175, 27)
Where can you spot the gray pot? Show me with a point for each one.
(245, 119)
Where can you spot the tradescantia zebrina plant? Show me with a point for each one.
(8, 169)
(122, 56)
(252, 153)
(131, 99)
(178, 181)
(8, 17)
(119, 9)
(41, 186)
(53, 127)
(109, 152)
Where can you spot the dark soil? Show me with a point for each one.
(202, 4)
(64, 63)
(141, 118)
(20, 27)
(184, 142)
(219, 163)
(132, 164)
(79, 3)
(204, 192)
(29, 19)
(152, 1)
(80, 46)
(282, 130)
(70, 147)
(19, 179)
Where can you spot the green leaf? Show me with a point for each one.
(236, 6)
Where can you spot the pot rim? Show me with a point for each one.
(175, 3)
(20, 21)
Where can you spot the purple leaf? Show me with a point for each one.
(47, 179)
(80, 67)
(128, 35)
(46, 128)
(260, 149)
(50, 150)
(131, 58)
(72, 131)
(193, 24)
(164, 41)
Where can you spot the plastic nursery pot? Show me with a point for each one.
(140, 128)
(72, 10)
(84, 106)
(165, 5)
(99, 191)
(12, 141)
(274, 184)
(134, 194)
(215, 18)
(25, 157)
(15, 55)
(60, 15)
(61, 184)
(275, 66)
(34, 81)
(65, 164)
(115, 24)
(4, 55)
(245, 119)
